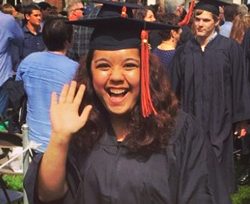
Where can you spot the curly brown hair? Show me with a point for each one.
(146, 135)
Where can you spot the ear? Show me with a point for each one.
(173, 33)
(217, 23)
(27, 16)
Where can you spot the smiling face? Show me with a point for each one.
(116, 79)
(205, 25)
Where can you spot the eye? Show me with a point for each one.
(131, 66)
(102, 66)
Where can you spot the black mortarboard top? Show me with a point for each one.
(211, 6)
(115, 30)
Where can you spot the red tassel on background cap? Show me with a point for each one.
(124, 12)
(187, 18)
(146, 102)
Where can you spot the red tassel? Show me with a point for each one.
(124, 12)
(146, 101)
(187, 18)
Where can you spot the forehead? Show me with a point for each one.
(35, 12)
(79, 5)
(149, 12)
(204, 14)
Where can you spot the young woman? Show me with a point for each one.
(115, 140)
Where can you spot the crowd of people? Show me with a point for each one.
(131, 103)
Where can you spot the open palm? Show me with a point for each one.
(65, 119)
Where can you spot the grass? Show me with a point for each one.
(241, 197)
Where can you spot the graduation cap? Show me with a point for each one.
(211, 6)
(114, 29)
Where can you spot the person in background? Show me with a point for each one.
(240, 24)
(9, 9)
(10, 34)
(242, 9)
(33, 41)
(124, 141)
(147, 14)
(209, 79)
(230, 11)
(44, 72)
(221, 15)
(75, 11)
(165, 51)
(45, 8)
(244, 142)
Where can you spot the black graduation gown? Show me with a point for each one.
(186, 174)
(212, 85)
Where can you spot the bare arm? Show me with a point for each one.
(65, 121)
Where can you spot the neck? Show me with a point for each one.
(119, 124)
(60, 52)
(168, 44)
(204, 40)
(33, 29)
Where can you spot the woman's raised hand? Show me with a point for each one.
(65, 119)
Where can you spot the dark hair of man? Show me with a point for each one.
(44, 5)
(230, 12)
(29, 8)
(167, 18)
(56, 34)
(147, 135)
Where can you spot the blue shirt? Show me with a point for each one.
(42, 73)
(10, 34)
(165, 57)
(226, 28)
(32, 43)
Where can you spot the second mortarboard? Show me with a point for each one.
(211, 6)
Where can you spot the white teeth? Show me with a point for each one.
(115, 91)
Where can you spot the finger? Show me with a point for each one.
(62, 98)
(53, 99)
(79, 95)
(71, 92)
(85, 113)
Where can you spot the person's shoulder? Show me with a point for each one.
(6, 20)
(187, 128)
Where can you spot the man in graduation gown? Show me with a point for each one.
(209, 78)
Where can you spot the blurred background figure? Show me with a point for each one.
(221, 15)
(165, 51)
(240, 24)
(45, 8)
(230, 12)
(147, 14)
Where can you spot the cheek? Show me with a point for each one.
(99, 79)
(134, 79)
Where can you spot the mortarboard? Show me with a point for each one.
(114, 29)
(211, 5)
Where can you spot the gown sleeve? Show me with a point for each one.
(30, 181)
(240, 84)
(199, 176)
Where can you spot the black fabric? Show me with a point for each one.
(211, 6)
(114, 31)
(212, 86)
(187, 174)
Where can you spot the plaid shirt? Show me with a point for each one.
(81, 38)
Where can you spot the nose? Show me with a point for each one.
(117, 75)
